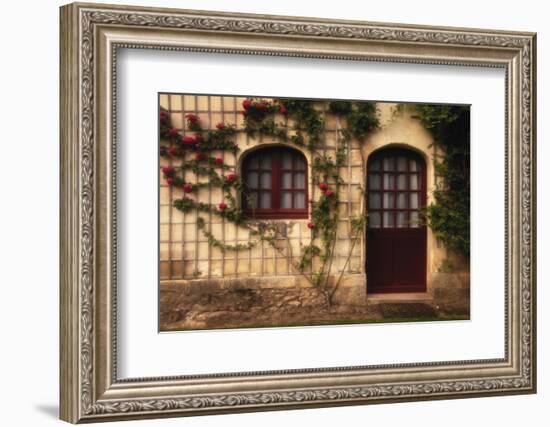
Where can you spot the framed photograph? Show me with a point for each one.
(266, 212)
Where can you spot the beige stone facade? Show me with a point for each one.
(186, 258)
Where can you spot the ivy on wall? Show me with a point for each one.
(297, 122)
(449, 215)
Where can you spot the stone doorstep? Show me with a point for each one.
(403, 297)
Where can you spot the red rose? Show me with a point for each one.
(199, 155)
(262, 105)
(231, 177)
(173, 151)
(170, 181)
(310, 225)
(220, 126)
(188, 188)
(329, 193)
(188, 140)
(163, 116)
(198, 138)
(283, 110)
(222, 206)
(323, 186)
(167, 170)
(192, 118)
(247, 103)
(173, 132)
(218, 161)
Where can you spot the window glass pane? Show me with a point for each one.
(265, 200)
(402, 182)
(287, 180)
(374, 220)
(253, 163)
(252, 180)
(286, 200)
(299, 163)
(389, 201)
(402, 164)
(287, 160)
(374, 182)
(388, 219)
(413, 204)
(402, 201)
(375, 165)
(389, 182)
(414, 182)
(299, 200)
(413, 165)
(388, 163)
(401, 219)
(265, 161)
(266, 180)
(374, 201)
(415, 220)
(299, 181)
(252, 200)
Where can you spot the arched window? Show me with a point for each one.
(275, 184)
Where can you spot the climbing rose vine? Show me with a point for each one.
(296, 122)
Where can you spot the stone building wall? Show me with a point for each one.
(184, 251)
(188, 260)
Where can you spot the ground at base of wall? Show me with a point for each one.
(251, 308)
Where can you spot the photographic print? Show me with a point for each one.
(293, 212)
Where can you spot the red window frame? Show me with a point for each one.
(277, 170)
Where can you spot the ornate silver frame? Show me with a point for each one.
(90, 36)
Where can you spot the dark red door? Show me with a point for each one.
(396, 237)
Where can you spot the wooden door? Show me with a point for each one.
(396, 236)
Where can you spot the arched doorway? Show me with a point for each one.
(396, 237)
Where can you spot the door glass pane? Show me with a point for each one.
(415, 220)
(388, 219)
(299, 181)
(401, 219)
(374, 182)
(414, 182)
(414, 200)
(265, 200)
(265, 161)
(375, 165)
(299, 163)
(266, 180)
(287, 161)
(287, 180)
(402, 182)
(299, 200)
(286, 200)
(252, 180)
(374, 201)
(389, 201)
(374, 220)
(401, 200)
(413, 165)
(402, 164)
(388, 163)
(389, 182)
